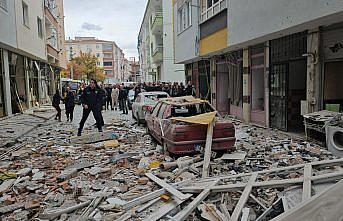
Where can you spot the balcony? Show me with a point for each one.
(157, 24)
(213, 10)
(157, 56)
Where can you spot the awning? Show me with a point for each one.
(203, 119)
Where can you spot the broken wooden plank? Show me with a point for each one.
(245, 214)
(191, 207)
(208, 147)
(256, 200)
(224, 210)
(307, 183)
(144, 207)
(244, 198)
(168, 187)
(165, 209)
(324, 206)
(95, 137)
(151, 196)
(52, 214)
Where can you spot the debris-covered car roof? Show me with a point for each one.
(183, 101)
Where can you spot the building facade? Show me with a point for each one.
(266, 61)
(156, 44)
(110, 56)
(27, 77)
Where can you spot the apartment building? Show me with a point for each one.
(156, 44)
(26, 76)
(110, 56)
(265, 61)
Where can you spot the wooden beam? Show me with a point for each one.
(165, 209)
(208, 147)
(224, 210)
(307, 182)
(244, 198)
(191, 207)
(168, 187)
(152, 195)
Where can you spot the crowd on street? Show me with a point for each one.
(98, 97)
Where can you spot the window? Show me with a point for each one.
(98, 63)
(25, 14)
(97, 46)
(97, 55)
(107, 47)
(108, 55)
(108, 63)
(40, 27)
(161, 112)
(108, 72)
(3, 4)
(157, 107)
(185, 16)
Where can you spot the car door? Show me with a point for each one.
(158, 122)
(151, 120)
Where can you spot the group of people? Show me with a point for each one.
(95, 98)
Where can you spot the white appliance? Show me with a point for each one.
(334, 140)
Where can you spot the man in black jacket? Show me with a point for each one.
(123, 99)
(56, 100)
(69, 102)
(92, 101)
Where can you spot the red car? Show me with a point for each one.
(183, 138)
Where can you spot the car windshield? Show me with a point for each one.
(190, 110)
(154, 97)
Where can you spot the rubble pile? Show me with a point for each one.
(126, 176)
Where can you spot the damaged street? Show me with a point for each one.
(50, 174)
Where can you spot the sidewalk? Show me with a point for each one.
(16, 126)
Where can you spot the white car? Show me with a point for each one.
(145, 102)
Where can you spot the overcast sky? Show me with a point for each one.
(113, 20)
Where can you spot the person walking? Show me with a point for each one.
(190, 90)
(109, 89)
(69, 102)
(123, 94)
(92, 101)
(56, 100)
(114, 96)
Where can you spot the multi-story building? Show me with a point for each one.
(156, 44)
(110, 56)
(264, 61)
(25, 74)
(134, 67)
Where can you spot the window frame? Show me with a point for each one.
(161, 111)
(184, 16)
(25, 14)
(40, 27)
(157, 107)
(103, 64)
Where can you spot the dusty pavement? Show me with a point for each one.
(49, 178)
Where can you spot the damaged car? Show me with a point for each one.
(178, 124)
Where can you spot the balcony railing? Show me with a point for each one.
(157, 56)
(213, 10)
(157, 22)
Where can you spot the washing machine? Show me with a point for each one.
(334, 140)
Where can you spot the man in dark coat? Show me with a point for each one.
(92, 101)
(69, 102)
(56, 100)
(108, 89)
(123, 94)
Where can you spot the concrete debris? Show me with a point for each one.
(122, 174)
